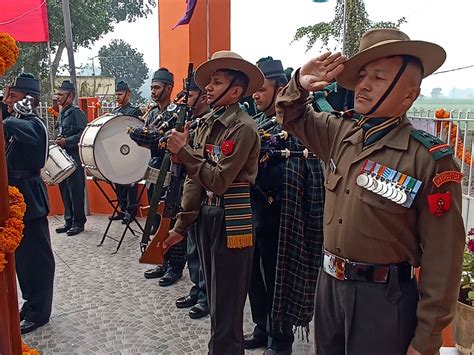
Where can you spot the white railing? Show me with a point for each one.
(457, 131)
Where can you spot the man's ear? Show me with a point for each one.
(412, 95)
(237, 92)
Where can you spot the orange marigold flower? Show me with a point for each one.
(8, 49)
(3, 67)
(26, 350)
(12, 231)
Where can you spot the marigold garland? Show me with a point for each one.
(26, 350)
(8, 52)
(461, 152)
(12, 232)
(53, 112)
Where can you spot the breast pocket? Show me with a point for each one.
(378, 217)
(331, 184)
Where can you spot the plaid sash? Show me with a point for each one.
(238, 216)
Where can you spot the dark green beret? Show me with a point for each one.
(271, 69)
(26, 83)
(163, 75)
(122, 86)
(66, 85)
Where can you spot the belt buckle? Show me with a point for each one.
(335, 266)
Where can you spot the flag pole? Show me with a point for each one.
(208, 34)
(344, 27)
(69, 45)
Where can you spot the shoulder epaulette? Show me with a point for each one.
(435, 146)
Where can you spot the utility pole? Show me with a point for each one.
(69, 46)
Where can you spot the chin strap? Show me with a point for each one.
(225, 92)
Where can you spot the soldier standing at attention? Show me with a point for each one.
(70, 125)
(26, 153)
(126, 194)
(221, 166)
(393, 201)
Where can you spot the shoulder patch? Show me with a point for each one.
(435, 146)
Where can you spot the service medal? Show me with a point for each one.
(362, 180)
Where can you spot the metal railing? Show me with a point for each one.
(458, 132)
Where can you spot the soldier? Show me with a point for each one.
(70, 125)
(161, 87)
(197, 297)
(393, 201)
(127, 195)
(221, 167)
(26, 153)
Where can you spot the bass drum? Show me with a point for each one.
(108, 153)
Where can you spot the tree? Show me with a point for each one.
(90, 21)
(436, 93)
(123, 62)
(357, 23)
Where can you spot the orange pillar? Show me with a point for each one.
(208, 31)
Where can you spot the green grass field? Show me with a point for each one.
(447, 104)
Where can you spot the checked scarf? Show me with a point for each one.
(300, 243)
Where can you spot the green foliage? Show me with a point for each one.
(90, 20)
(357, 23)
(123, 62)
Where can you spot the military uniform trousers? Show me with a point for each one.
(195, 269)
(262, 284)
(35, 270)
(227, 274)
(73, 195)
(127, 196)
(385, 313)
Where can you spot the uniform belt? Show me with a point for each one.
(344, 269)
(212, 200)
(23, 174)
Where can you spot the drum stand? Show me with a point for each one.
(114, 203)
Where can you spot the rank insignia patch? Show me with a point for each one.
(439, 203)
(447, 176)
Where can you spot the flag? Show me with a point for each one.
(188, 14)
(25, 20)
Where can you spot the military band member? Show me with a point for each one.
(26, 153)
(70, 125)
(393, 201)
(127, 195)
(221, 167)
(161, 87)
(197, 297)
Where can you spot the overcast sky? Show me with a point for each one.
(266, 27)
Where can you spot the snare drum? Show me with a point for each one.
(108, 153)
(59, 165)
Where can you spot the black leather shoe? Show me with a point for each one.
(271, 351)
(75, 230)
(155, 273)
(27, 326)
(253, 342)
(186, 301)
(198, 311)
(170, 277)
(127, 219)
(63, 229)
(117, 217)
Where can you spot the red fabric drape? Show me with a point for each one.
(24, 20)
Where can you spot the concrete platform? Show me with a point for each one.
(104, 305)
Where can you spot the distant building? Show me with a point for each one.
(102, 87)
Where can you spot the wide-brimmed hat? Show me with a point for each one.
(386, 42)
(229, 60)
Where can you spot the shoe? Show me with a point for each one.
(198, 311)
(75, 230)
(117, 217)
(155, 273)
(127, 219)
(253, 342)
(27, 326)
(170, 277)
(64, 228)
(271, 351)
(186, 301)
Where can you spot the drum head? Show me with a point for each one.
(118, 158)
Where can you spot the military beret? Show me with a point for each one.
(163, 75)
(27, 83)
(66, 85)
(271, 68)
(122, 86)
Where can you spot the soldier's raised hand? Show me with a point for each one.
(321, 71)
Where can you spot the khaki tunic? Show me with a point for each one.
(239, 166)
(362, 226)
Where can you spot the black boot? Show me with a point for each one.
(155, 273)
(170, 277)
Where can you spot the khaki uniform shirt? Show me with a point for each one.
(362, 226)
(239, 166)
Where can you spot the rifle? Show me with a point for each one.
(152, 253)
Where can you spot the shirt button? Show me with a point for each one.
(347, 192)
(340, 221)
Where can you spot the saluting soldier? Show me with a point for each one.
(26, 153)
(221, 167)
(393, 201)
(126, 194)
(70, 125)
(161, 87)
(197, 297)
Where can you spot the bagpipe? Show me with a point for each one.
(152, 251)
